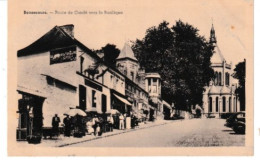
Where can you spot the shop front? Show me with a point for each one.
(30, 119)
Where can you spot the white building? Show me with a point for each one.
(219, 97)
(56, 73)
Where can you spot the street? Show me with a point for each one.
(185, 133)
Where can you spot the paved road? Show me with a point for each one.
(186, 133)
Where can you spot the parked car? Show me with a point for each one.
(239, 127)
(234, 118)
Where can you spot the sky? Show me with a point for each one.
(232, 19)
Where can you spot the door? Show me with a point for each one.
(82, 97)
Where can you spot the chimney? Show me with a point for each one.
(69, 29)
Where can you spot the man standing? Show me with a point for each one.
(55, 124)
(67, 126)
(121, 122)
(110, 122)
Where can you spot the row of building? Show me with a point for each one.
(57, 72)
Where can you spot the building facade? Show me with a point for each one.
(143, 88)
(219, 97)
(57, 73)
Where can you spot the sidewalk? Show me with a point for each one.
(62, 141)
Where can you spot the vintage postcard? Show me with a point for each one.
(130, 78)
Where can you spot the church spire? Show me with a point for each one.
(212, 39)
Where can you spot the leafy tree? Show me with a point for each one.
(240, 74)
(110, 53)
(181, 56)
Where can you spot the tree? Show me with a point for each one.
(240, 74)
(181, 56)
(110, 53)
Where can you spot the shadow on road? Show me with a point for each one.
(237, 133)
(227, 130)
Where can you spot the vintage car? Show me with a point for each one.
(237, 122)
(239, 127)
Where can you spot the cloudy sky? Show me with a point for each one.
(233, 21)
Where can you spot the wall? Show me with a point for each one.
(31, 75)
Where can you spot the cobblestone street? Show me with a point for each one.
(185, 133)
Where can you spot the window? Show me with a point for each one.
(216, 78)
(210, 104)
(81, 64)
(234, 104)
(132, 76)
(227, 79)
(219, 79)
(229, 104)
(154, 87)
(224, 104)
(104, 103)
(94, 103)
(216, 104)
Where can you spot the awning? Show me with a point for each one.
(123, 100)
(167, 105)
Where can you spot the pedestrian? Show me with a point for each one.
(110, 122)
(55, 124)
(95, 121)
(67, 126)
(121, 122)
(98, 131)
(90, 128)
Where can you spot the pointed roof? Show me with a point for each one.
(127, 52)
(213, 89)
(213, 38)
(217, 56)
(225, 90)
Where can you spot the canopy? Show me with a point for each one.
(112, 111)
(123, 100)
(76, 111)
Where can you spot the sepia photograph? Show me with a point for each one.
(130, 78)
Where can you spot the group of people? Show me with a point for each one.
(93, 125)
(122, 121)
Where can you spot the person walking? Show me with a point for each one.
(121, 122)
(67, 126)
(55, 124)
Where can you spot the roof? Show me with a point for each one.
(214, 89)
(225, 90)
(55, 38)
(217, 56)
(127, 52)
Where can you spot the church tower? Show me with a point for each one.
(219, 97)
(213, 38)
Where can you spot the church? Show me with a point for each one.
(219, 97)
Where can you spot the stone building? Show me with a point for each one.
(219, 97)
(143, 88)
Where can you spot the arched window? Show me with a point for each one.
(210, 104)
(224, 104)
(229, 102)
(216, 104)
(219, 79)
(227, 78)
(216, 78)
